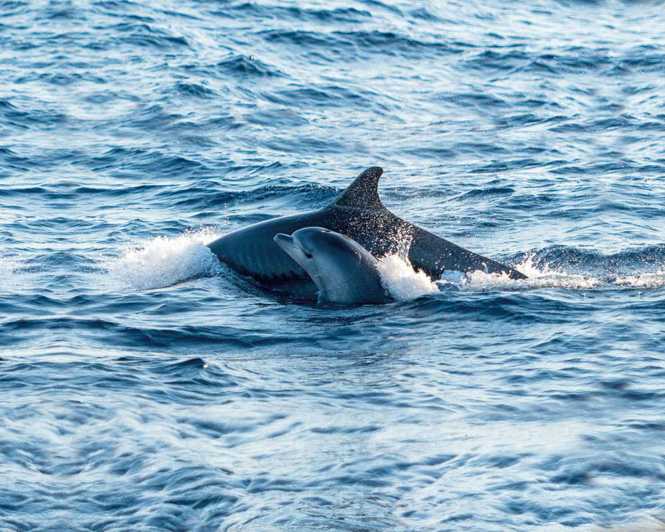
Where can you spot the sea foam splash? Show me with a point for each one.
(165, 261)
(537, 277)
(546, 277)
(643, 280)
(402, 280)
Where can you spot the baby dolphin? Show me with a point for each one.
(342, 270)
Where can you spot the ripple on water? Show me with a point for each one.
(145, 385)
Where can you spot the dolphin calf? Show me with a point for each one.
(359, 214)
(342, 270)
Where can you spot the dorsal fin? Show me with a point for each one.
(363, 193)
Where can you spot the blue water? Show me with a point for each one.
(145, 386)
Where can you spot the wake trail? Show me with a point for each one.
(405, 283)
(544, 276)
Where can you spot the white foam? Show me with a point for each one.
(405, 283)
(546, 277)
(402, 281)
(643, 280)
(165, 261)
(537, 277)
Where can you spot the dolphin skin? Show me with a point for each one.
(358, 214)
(343, 271)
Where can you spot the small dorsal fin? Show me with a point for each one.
(363, 192)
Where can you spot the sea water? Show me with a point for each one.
(145, 386)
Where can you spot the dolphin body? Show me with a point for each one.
(343, 271)
(358, 214)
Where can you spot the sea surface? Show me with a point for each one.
(145, 386)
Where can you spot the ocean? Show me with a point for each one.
(146, 386)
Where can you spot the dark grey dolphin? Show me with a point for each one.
(359, 214)
(342, 270)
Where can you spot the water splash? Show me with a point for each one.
(165, 261)
(543, 276)
(643, 280)
(402, 280)
(405, 283)
(401, 245)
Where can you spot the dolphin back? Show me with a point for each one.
(252, 251)
(435, 255)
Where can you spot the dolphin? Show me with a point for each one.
(343, 271)
(358, 214)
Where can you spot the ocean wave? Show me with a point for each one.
(647, 259)
(206, 195)
(194, 90)
(142, 34)
(358, 44)
(261, 11)
(42, 117)
(139, 160)
(246, 66)
(9, 278)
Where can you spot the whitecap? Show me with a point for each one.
(537, 277)
(165, 261)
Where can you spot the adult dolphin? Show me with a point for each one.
(359, 214)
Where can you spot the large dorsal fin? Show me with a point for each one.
(363, 193)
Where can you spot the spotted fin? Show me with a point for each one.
(363, 193)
